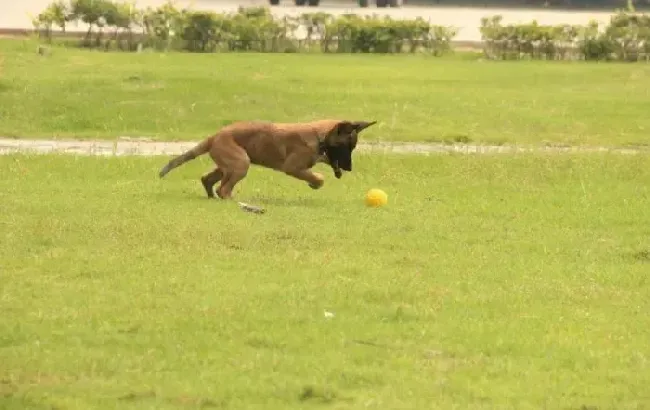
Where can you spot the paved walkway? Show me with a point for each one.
(16, 14)
(122, 147)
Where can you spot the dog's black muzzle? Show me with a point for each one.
(340, 158)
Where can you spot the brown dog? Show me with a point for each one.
(290, 148)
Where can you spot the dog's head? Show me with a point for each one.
(340, 142)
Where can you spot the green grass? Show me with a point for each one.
(487, 282)
(91, 94)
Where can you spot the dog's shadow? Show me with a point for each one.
(255, 200)
(260, 200)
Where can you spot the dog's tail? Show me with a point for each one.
(200, 149)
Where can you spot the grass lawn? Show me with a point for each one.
(487, 282)
(91, 94)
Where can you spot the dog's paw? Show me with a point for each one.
(318, 183)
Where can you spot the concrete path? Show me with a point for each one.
(138, 147)
(16, 14)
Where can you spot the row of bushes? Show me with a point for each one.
(625, 38)
(123, 26)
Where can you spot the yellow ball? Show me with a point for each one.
(376, 198)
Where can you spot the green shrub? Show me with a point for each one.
(162, 26)
(96, 14)
(353, 34)
(255, 29)
(626, 38)
(57, 13)
(201, 32)
(529, 41)
(247, 29)
(594, 46)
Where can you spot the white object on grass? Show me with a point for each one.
(251, 208)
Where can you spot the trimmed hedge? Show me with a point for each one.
(625, 38)
(123, 26)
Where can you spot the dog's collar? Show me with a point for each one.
(322, 147)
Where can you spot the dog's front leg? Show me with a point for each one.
(298, 165)
(313, 179)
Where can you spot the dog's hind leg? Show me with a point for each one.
(237, 170)
(233, 161)
(210, 179)
(229, 181)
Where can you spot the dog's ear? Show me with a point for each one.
(348, 127)
(345, 132)
(362, 125)
(358, 127)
